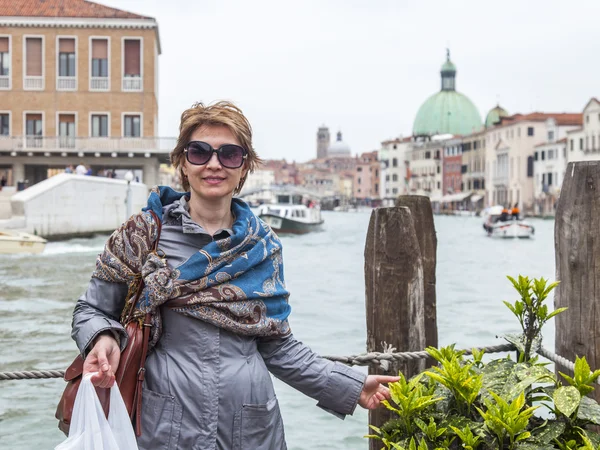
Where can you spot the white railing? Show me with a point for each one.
(98, 83)
(66, 83)
(87, 144)
(4, 82)
(33, 83)
(500, 180)
(132, 83)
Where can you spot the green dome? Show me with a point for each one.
(494, 116)
(449, 67)
(447, 112)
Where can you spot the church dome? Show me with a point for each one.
(448, 111)
(494, 115)
(339, 147)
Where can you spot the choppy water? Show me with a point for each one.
(324, 272)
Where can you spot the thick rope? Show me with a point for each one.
(32, 374)
(382, 359)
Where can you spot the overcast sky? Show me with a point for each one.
(365, 67)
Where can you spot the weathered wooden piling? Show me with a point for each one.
(394, 284)
(422, 215)
(577, 253)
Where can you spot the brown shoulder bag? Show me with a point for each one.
(129, 376)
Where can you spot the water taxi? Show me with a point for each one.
(292, 213)
(498, 225)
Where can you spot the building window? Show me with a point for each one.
(4, 63)
(394, 162)
(66, 57)
(358, 180)
(549, 178)
(438, 169)
(543, 155)
(571, 144)
(4, 125)
(394, 190)
(529, 131)
(34, 74)
(550, 135)
(529, 167)
(132, 65)
(438, 185)
(580, 143)
(394, 177)
(359, 169)
(99, 125)
(535, 156)
(99, 79)
(33, 129)
(131, 126)
(395, 147)
(587, 119)
(387, 178)
(66, 130)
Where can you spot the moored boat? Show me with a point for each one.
(292, 214)
(15, 242)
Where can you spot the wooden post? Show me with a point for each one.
(394, 294)
(422, 214)
(577, 253)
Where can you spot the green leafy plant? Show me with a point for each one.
(583, 377)
(468, 439)
(507, 419)
(531, 311)
(464, 402)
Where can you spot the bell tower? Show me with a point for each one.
(323, 140)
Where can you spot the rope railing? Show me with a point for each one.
(382, 359)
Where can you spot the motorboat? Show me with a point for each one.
(292, 213)
(15, 242)
(499, 224)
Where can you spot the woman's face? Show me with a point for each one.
(212, 180)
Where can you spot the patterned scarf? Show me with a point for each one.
(235, 283)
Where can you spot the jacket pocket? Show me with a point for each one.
(259, 427)
(161, 421)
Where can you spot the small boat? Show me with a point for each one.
(292, 214)
(15, 242)
(505, 226)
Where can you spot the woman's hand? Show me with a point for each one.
(104, 359)
(374, 391)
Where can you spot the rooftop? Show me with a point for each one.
(63, 8)
(561, 118)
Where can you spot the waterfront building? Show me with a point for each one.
(394, 167)
(452, 166)
(323, 141)
(549, 165)
(473, 166)
(426, 167)
(584, 142)
(366, 179)
(510, 147)
(78, 85)
(284, 172)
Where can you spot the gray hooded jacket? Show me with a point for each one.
(207, 388)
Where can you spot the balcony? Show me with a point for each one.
(43, 144)
(4, 82)
(132, 84)
(98, 83)
(66, 83)
(500, 180)
(33, 83)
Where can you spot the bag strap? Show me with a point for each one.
(146, 326)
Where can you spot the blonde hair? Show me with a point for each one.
(222, 113)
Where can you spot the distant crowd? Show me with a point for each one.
(82, 169)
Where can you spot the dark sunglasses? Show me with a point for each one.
(230, 155)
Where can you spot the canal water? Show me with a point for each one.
(324, 272)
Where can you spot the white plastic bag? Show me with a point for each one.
(89, 429)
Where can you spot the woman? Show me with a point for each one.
(219, 302)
